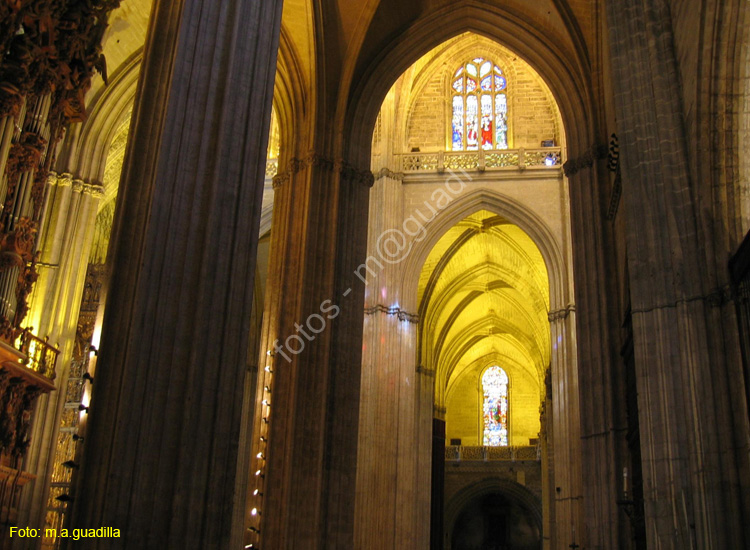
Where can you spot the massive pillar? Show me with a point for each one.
(161, 449)
(566, 429)
(592, 510)
(393, 463)
(692, 489)
(313, 330)
(388, 511)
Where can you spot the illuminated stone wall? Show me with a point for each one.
(464, 407)
(533, 113)
(475, 287)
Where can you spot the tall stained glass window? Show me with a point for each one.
(495, 409)
(480, 107)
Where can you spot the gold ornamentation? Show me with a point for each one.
(51, 49)
(26, 279)
(17, 397)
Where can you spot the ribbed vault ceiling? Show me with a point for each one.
(484, 293)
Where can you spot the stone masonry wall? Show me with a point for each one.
(532, 111)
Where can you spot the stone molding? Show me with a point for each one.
(718, 297)
(79, 185)
(60, 180)
(346, 170)
(96, 191)
(425, 371)
(402, 315)
(598, 151)
(561, 314)
(388, 173)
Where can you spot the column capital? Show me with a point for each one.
(598, 151)
(94, 189)
(561, 314)
(425, 371)
(348, 171)
(402, 315)
(64, 179)
(388, 173)
(78, 185)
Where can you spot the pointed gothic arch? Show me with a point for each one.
(562, 70)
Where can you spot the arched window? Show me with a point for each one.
(480, 107)
(495, 409)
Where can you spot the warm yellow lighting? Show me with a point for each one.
(489, 302)
(32, 348)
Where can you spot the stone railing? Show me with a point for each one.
(42, 357)
(26, 372)
(455, 453)
(506, 159)
(272, 167)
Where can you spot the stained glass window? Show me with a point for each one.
(458, 123)
(495, 407)
(480, 107)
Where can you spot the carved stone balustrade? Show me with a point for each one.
(454, 453)
(547, 158)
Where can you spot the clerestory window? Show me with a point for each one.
(479, 107)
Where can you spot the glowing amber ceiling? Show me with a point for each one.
(484, 292)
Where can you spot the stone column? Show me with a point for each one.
(393, 492)
(387, 511)
(546, 437)
(161, 450)
(386, 505)
(53, 313)
(692, 490)
(67, 236)
(437, 508)
(313, 328)
(566, 427)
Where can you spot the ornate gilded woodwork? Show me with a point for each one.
(71, 432)
(53, 46)
(52, 51)
(19, 388)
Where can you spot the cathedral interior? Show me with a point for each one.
(370, 274)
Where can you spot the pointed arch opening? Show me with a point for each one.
(483, 259)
